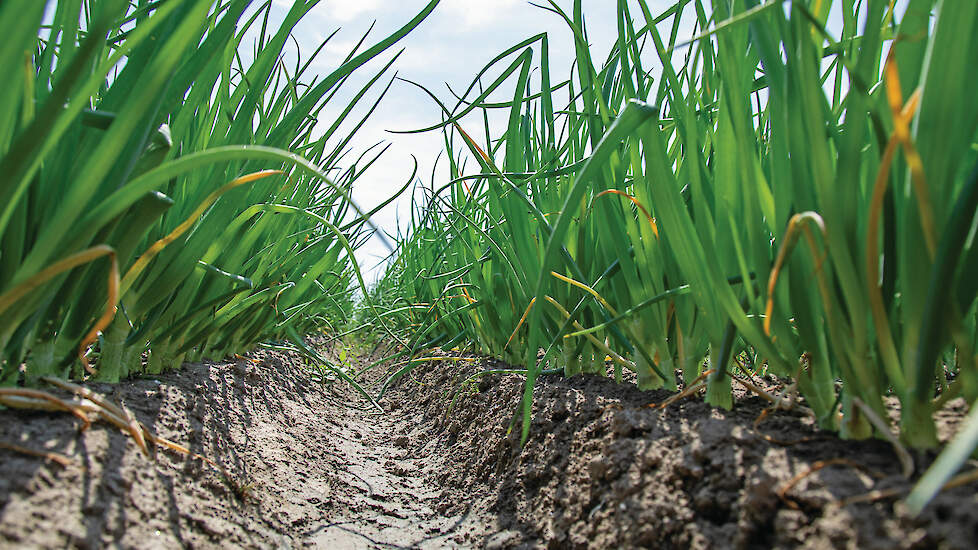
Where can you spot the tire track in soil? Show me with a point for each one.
(314, 473)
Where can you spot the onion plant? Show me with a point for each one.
(776, 194)
(172, 187)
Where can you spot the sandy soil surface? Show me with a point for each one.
(601, 470)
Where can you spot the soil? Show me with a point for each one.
(306, 469)
(601, 470)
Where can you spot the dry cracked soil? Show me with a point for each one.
(312, 466)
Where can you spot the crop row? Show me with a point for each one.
(171, 186)
(780, 195)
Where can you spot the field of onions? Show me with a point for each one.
(780, 207)
(783, 200)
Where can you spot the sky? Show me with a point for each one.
(451, 46)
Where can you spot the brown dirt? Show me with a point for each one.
(312, 472)
(601, 470)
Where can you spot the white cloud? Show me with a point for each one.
(347, 10)
(473, 13)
